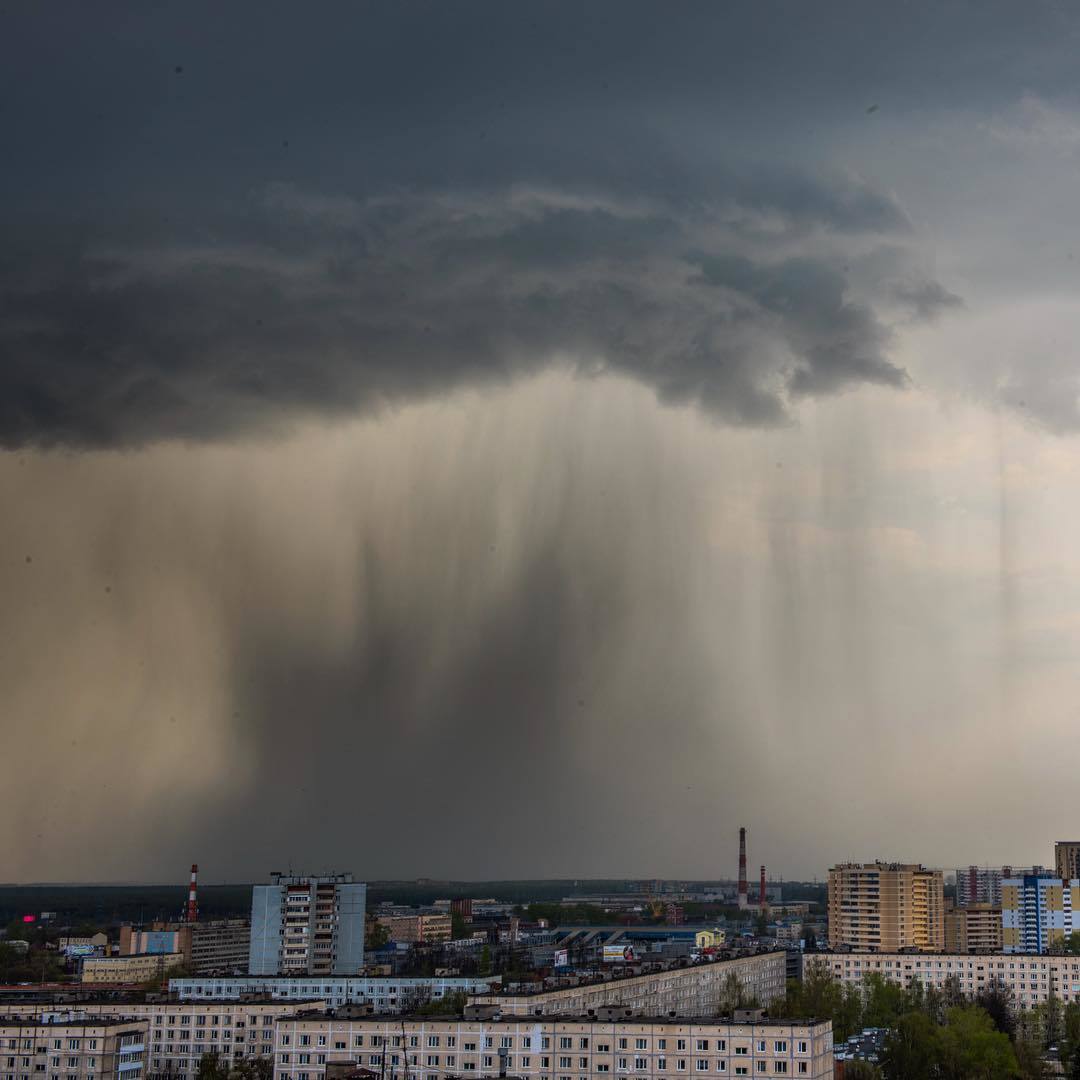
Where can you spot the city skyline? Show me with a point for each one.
(505, 442)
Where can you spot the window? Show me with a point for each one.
(432, 1060)
(779, 1066)
(761, 1066)
(451, 1040)
(761, 1046)
(703, 1044)
(507, 1041)
(702, 1065)
(565, 1043)
(680, 1065)
(803, 1068)
(621, 1064)
(622, 1044)
(802, 1047)
(680, 1045)
(779, 1046)
(433, 1040)
(583, 1044)
(358, 1040)
(603, 1068)
(641, 1044)
(641, 1064)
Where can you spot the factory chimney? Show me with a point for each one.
(744, 888)
(192, 904)
(761, 891)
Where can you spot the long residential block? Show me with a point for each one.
(385, 995)
(552, 1048)
(72, 1046)
(696, 990)
(1030, 978)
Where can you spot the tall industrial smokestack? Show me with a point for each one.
(192, 903)
(761, 891)
(744, 888)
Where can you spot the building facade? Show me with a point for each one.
(178, 1034)
(1029, 978)
(71, 1046)
(307, 926)
(975, 928)
(699, 989)
(432, 929)
(1067, 859)
(552, 1048)
(140, 968)
(1037, 912)
(978, 885)
(386, 995)
(883, 907)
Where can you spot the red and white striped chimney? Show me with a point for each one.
(192, 903)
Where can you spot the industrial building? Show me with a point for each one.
(220, 945)
(307, 926)
(140, 968)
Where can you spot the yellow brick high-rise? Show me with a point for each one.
(885, 907)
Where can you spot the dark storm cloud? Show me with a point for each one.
(336, 306)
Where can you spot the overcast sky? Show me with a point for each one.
(490, 440)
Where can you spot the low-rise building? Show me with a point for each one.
(554, 1048)
(72, 1046)
(141, 968)
(386, 995)
(424, 928)
(688, 990)
(83, 941)
(1029, 978)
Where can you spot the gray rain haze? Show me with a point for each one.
(498, 440)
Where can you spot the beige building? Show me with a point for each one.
(142, 968)
(554, 1048)
(882, 907)
(217, 945)
(71, 1046)
(973, 929)
(179, 1033)
(93, 941)
(1030, 979)
(1067, 859)
(432, 929)
(700, 989)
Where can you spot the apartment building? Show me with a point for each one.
(71, 1046)
(307, 926)
(699, 989)
(387, 995)
(554, 1048)
(218, 945)
(178, 1034)
(1030, 978)
(975, 928)
(1067, 859)
(433, 929)
(883, 907)
(141, 968)
(1037, 912)
(979, 885)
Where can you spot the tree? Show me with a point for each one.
(1072, 943)
(254, 1068)
(970, 1048)
(761, 924)
(1029, 1058)
(884, 1002)
(211, 1069)
(861, 1070)
(911, 1049)
(996, 1000)
(485, 960)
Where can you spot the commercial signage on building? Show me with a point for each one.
(159, 941)
(618, 954)
(562, 957)
(79, 950)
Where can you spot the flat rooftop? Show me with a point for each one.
(80, 1021)
(665, 1021)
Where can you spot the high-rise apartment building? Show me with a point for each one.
(1067, 859)
(307, 926)
(885, 907)
(1037, 912)
(975, 928)
(979, 885)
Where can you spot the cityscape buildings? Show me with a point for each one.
(885, 907)
(975, 928)
(1037, 912)
(307, 925)
(1067, 859)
